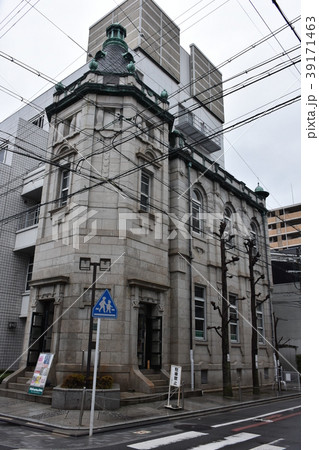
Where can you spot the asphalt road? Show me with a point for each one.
(272, 426)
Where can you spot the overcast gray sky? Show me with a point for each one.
(265, 151)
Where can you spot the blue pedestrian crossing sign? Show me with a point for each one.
(105, 307)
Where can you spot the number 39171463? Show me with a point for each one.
(310, 47)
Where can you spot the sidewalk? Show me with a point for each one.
(68, 422)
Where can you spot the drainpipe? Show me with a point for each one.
(190, 254)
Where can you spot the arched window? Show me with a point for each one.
(197, 209)
(254, 236)
(228, 233)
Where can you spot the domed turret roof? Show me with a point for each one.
(260, 192)
(114, 58)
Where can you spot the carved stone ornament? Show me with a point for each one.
(135, 303)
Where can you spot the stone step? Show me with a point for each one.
(23, 380)
(160, 389)
(20, 395)
(28, 374)
(18, 386)
(160, 383)
(155, 377)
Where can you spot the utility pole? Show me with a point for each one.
(223, 331)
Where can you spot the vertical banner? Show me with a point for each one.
(175, 378)
(41, 373)
(175, 381)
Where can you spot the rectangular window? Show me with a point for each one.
(3, 153)
(233, 318)
(145, 191)
(260, 323)
(200, 313)
(29, 273)
(67, 127)
(149, 135)
(38, 120)
(65, 186)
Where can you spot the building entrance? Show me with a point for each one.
(41, 332)
(149, 342)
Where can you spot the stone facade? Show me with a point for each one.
(135, 181)
(121, 186)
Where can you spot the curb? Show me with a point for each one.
(76, 431)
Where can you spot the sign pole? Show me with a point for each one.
(104, 308)
(175, 381)
(95, 375)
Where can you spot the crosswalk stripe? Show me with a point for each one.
(229, 440)
(268, 447)
(154, 443)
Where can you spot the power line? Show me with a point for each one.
(58, 28)
(16, 20)
(130, 171)
(277, 40)
(286, 20)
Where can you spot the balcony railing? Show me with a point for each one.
(30, 218)
(199, 131)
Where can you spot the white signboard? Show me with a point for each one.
(175, 378)
(41, 373)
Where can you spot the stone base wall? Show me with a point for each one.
(72, 398)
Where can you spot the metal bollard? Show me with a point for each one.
(82, 406)
(239, 388)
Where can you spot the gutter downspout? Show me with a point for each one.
(190, 254)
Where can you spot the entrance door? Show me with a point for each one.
(156, 342)
(40, 333)
(149, 344)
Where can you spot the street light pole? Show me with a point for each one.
(88, 363)
(86, 264)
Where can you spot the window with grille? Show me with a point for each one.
(145, 191)
(29, 273)
(200, 313)
(260, 323)
(65, 185)
(233, 318)
(197, 208)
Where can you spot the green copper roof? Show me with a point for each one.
(116, 34)
(260, 192)
(258, 188)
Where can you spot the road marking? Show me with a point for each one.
(255, 417)
(258, 424)
(229, 440)
(268, 447)
(154, 443)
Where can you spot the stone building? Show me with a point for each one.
(136, 190)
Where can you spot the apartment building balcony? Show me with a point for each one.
(191, 126)
(27, 232)
(33, 184)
